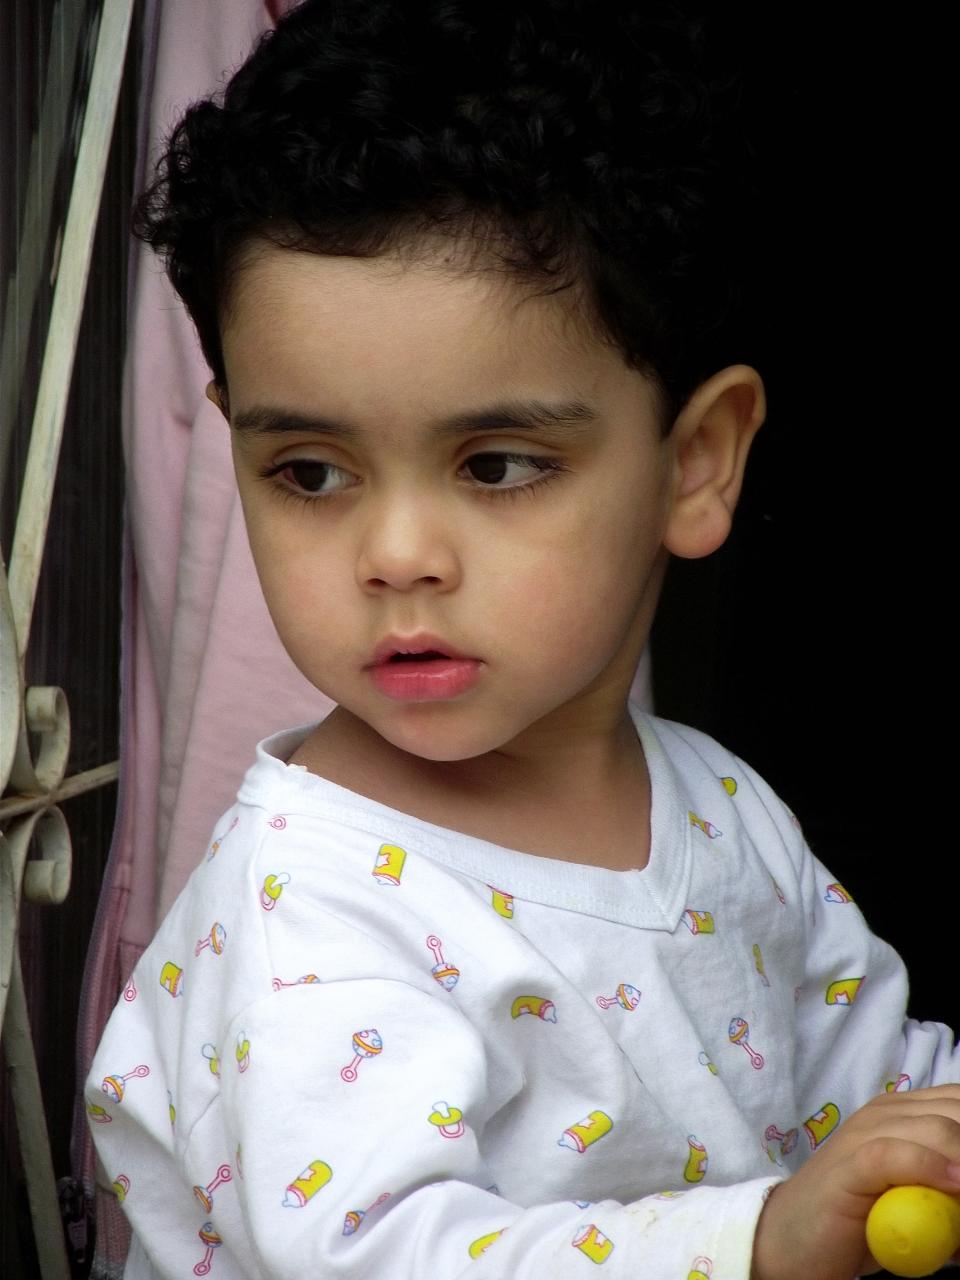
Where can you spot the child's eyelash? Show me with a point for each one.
(549, 468)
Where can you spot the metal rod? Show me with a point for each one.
(101, 776)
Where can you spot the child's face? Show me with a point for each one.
(548, 577)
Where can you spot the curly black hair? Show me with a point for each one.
(577, 144)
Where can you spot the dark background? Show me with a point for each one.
(814, 643)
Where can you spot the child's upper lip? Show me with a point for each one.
(419, 642)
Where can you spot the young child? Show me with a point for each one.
(490, 974)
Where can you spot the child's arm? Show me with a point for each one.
(896, 1139)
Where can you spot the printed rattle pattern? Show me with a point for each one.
(352, 1221)
(739, 1028)
(366, 1044)
(447, 975)
(627, 998)
(205, 1194)
(216, 940)
(211, 1241)
(114, 1086)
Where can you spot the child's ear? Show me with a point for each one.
(712, 437)
(218, 396)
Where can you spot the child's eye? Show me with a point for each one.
(304, 476)
(490, 468)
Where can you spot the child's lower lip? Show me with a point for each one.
(432, 679)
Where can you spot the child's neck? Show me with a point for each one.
(591, 806)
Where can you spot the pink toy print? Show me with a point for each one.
(216, 940)
(210, 1241)
(837, 893)
(902, 1084)
(447, 975)
(788, 1140)
(98, 1114)
(700, 1269)
(205, 1194)
(448, 1120)
(218, 841)
(278, 823)
(366, 1044)
(114, 1086)
(351, 1222)
(272, 889)
(707, 828)
(130, 991)
(627, 998)
(307, 977)
(739, 1029)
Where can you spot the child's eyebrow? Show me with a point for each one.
(521, 414)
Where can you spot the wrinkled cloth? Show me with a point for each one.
(364, 1045)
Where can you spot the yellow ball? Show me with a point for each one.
(913, 1231)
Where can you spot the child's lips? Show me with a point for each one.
(420, 643)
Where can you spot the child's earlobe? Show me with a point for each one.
(712, 434)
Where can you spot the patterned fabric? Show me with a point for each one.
(365, 1045)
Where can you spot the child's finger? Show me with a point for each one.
(888, 1161)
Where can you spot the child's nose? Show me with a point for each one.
(405, 543)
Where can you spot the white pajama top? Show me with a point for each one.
(365, 1046)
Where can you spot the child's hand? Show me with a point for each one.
(812, 1226)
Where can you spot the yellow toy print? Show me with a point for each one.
(303, 1188)
(821, 1124)
(388, 867)
(483, 1243)
(212, 1056)
(843, 991)
(695, 1169)
(586, 1132)
(902, 1084)
(171, 1110)
(272, 889)
(115, 1086)
(121, 1186)
(98, 1114)
(539, 1006)
(171, 978)
(501, 902)
(730, 786)
(758, 964)
(707, 828)
(448, 1120)
(787, 1141)
(366, 1044)
(836, 893)
(352, 1221)
(210, 1241)
(205, 1194)
(705, 1061)
(243, 1052)
(218, 841)
(627, 998)
(591, 1241)
(698, 921)
(130, 991)
(738, 1032)
(307, 977)
(448, 975)
(702, 1269)
(216, 940)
